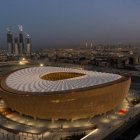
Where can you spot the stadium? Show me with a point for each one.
(63, 93)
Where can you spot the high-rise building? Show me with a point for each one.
(20, 45)
(28, 45)
(91, 45)
(10, 42)
(86, 44)
(21, 40)
(16, 41)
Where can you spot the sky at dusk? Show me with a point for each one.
(72, 22)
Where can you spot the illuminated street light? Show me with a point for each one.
(23, 61)
(41, 65)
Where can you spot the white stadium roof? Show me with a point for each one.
(28, 79)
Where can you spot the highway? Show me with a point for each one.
(128, 131)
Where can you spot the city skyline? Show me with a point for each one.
(65, 23)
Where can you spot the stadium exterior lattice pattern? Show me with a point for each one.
(86, 95)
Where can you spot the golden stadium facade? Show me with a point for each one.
(63, 93)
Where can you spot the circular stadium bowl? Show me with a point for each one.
(63, 93)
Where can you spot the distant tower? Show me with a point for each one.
(109, 46)
(28, 45)
(91, 45)
(16, 41)
(86, 44)
(10, 41)
(21, 40)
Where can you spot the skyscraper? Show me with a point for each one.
(91, 45)
(10, 41)
(28, 45)
(86, 44)
(16, 41)
(21, 40)
(20, 45)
